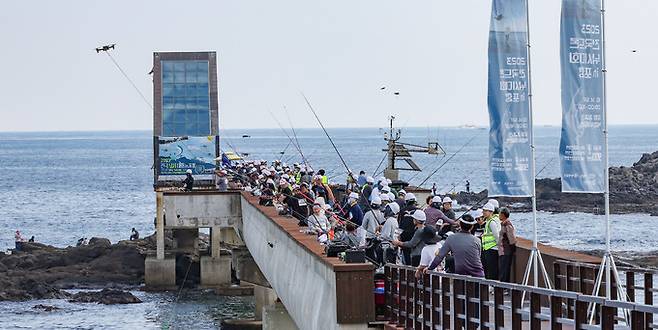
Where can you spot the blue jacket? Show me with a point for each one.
(356, 214)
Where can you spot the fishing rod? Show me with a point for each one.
(310, 107)
(290, 138)
(292, 127)
(448, 160)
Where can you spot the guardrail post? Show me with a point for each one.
(427, 301)
(571, 286)
(607, 318)
(402, 298)
(499, 313)
(411, 294)
(516, 306)
(419, 306)
(556, 312)
(446, 313)
(580, 317)
(557, 273)
(436, 301)
(630, 286)
(470, 307)
(535, 310)
(648, 297)
(458, 306)
(484, 309)
(637, 321)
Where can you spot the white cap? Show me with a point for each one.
(395, 208)
(270, 181)
(493, 202)
(285, 176)
(376, 200)
(283, 182)
(319, 200)
(419, 216)
(188, 171)
(383, 180)
(489, 207)
(409, 197)
(266, 173)
(391, 196)
(436, 199)
(386, 189)
(389, 182)
(402, 191)
(384, 197)
(354, 195)
(447, 200)
(370, 180)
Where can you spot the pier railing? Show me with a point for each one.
(450, 301)
(580, 277)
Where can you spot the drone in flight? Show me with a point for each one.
(104, 48)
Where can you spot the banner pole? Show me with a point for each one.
(535, 257)
(606, 159)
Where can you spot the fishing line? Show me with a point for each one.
(449, 158)
(129, 80)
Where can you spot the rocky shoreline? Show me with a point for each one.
(44, 272)
(632, 190)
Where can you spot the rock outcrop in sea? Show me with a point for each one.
(632, 190)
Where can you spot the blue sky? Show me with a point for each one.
(339, 53)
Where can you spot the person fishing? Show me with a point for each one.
(221, 182)
(388, 232)
(432, 245)
(361, 180)
(366, 191)
(317, 222)
(465, 248)
(354, 211)
(506, 245)
(434, 214)
(447, 208)
(407, 225)
(188, 182)
(372, 219)
(134, 234)
(18, 240)
(415, 244)
(490, 240)
(297, 205)
(468, 186)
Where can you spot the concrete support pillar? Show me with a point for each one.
(276, 317)
(215, 240)
(263, 297)
(160, 273)
(215, 271)
(159, 226)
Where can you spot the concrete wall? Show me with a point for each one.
(305, 284)
(203, 209)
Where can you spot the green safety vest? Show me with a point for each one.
(298, 177)
(325, 180)
(488, 239)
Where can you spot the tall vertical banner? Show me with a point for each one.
(582, 140)
(510, 153)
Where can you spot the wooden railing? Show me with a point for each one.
(580, 278)
(450, 301)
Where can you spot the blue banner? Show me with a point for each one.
(582, 141)
(510, 152)
(178, 154)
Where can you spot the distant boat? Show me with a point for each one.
(468, 126)
(246, 136)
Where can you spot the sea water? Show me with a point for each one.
(61, 186)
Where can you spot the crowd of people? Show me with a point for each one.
(388, 223)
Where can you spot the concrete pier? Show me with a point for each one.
(215, 271)
(160, 274)
(276, 317)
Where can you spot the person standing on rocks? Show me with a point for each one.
(134, 235)
(18, 240)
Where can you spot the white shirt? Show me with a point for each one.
(428, 253)
(318, 222)
(370, 222)
(390, 226)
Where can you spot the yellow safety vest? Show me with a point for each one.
(325, 180)
(488, 239)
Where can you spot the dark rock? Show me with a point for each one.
(106, 297)
(632, 190)
(46, 308)
(97, 241)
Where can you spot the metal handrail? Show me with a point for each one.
(468, 297)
